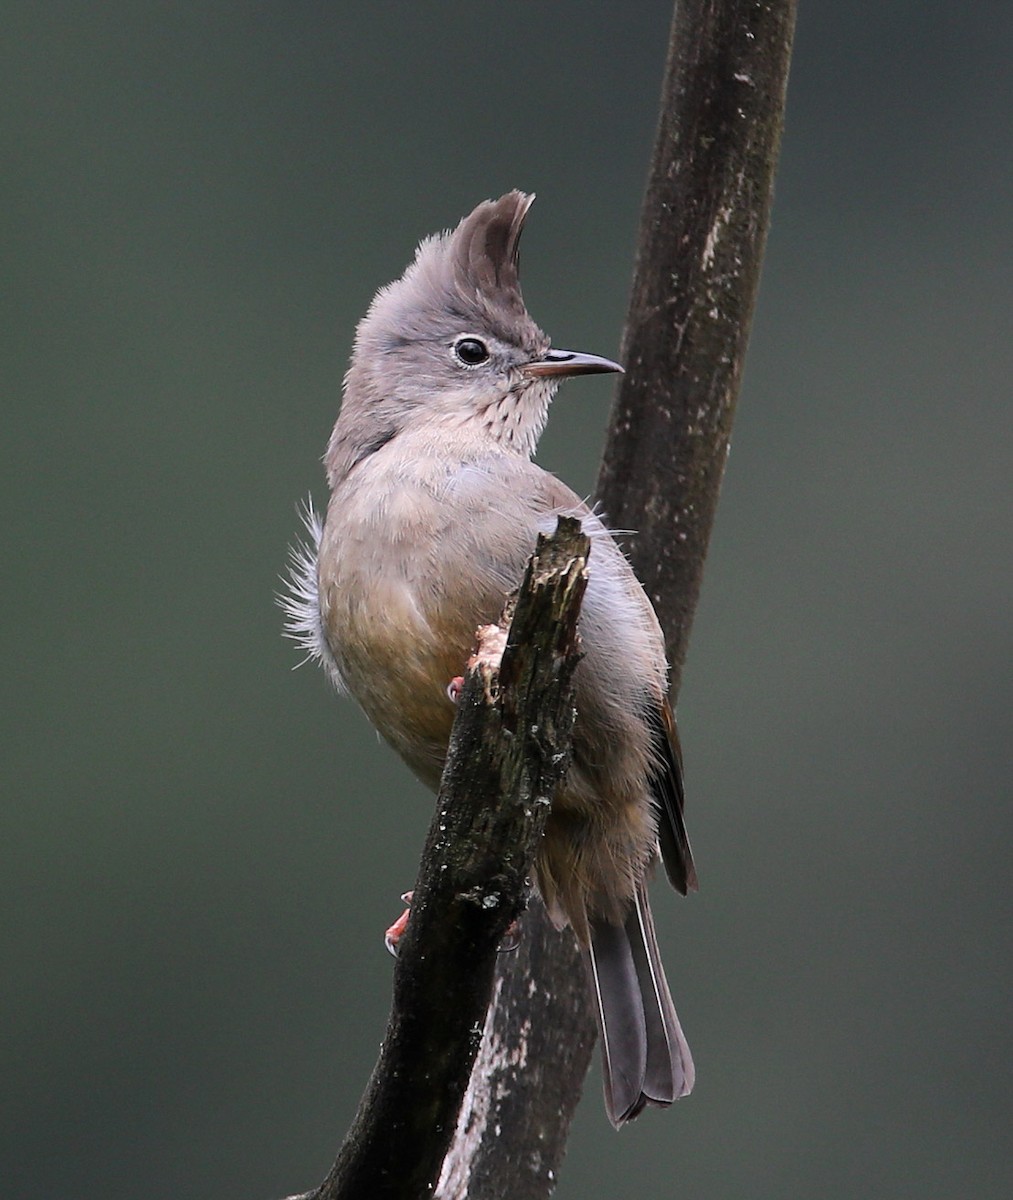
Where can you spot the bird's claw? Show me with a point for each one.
(511, 939)
(396, 931)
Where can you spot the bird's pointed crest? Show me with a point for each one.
(484, 250)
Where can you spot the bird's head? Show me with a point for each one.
(451, 344)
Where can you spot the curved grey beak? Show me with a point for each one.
(570, 362)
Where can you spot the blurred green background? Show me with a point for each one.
(200, 849)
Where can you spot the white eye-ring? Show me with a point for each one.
(471, 351)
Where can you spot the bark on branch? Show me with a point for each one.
(702, 234)
(509, 749)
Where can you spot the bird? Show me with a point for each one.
(435, 506)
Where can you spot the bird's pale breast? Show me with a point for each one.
(404, 581)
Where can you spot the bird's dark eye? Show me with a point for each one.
(470, 351)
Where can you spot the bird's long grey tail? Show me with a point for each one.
(645, 1058)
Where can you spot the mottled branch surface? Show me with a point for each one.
(702, 233)
(508, 751)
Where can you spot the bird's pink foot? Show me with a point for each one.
(395, 933)
(454, 688)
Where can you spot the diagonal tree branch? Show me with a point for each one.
(702, 234)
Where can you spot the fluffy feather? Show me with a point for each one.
(300, 600)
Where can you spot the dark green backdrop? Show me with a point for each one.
(200, 849)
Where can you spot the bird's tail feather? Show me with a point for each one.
(645, 1058)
